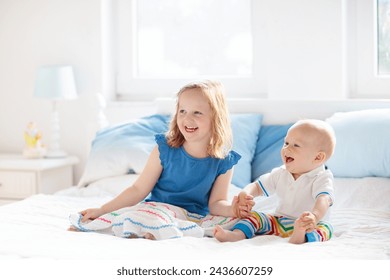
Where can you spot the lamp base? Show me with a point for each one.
(56, 154)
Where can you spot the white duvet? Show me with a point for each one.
(37, 228)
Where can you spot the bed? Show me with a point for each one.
(35, 228)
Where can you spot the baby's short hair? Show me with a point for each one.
(325, 132)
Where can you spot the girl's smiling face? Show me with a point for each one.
(194, 116)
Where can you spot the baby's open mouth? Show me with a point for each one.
(289, 159)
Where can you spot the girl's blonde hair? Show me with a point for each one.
(221, 134)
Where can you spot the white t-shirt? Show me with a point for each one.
(297, 196)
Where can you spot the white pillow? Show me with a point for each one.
(245, 128)
(363, 143)
(112, 186)
(123, 148)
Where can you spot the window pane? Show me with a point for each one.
(193, 38)
(384, 37)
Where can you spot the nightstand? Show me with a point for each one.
(21, 177)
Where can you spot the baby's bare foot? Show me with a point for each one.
(298, 235)
(228, 236)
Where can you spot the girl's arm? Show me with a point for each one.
(133, 194)
(218, 204)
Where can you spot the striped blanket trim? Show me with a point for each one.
(163, 221)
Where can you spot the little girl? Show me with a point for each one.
(187, 174)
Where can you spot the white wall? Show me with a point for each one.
(39, 32)
(33, 33)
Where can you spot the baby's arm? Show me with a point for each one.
(310, 219)
(133, 194)
(323, 202)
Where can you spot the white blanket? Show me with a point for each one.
(162, 221)
(37, 228)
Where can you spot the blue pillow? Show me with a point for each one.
(362, 143)
(118, 149)
(267, 154)
(245, 129)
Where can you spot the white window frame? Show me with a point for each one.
(360, 19)
(136, 89)
(359, 58)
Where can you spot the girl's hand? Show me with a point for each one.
(91, 214)
(235, 207)
(242, 205)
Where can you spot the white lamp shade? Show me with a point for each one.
(55, 82)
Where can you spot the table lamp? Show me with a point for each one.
(55, 82)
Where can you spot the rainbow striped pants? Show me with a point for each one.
(265, 224)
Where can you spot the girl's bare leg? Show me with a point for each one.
(72, 228)
(149, 236)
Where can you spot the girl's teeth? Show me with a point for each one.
(190, 128)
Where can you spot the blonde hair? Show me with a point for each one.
(221, 134)
(324, 132)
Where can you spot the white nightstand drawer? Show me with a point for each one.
(21, 177)
(17, 184)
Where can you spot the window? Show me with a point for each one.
(276, 49)
(169, 43)
(183, 39)
(368, 35)
(383, 14)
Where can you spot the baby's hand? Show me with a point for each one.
(307, 221)
(242, 204)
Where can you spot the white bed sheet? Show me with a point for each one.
(36, 228)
